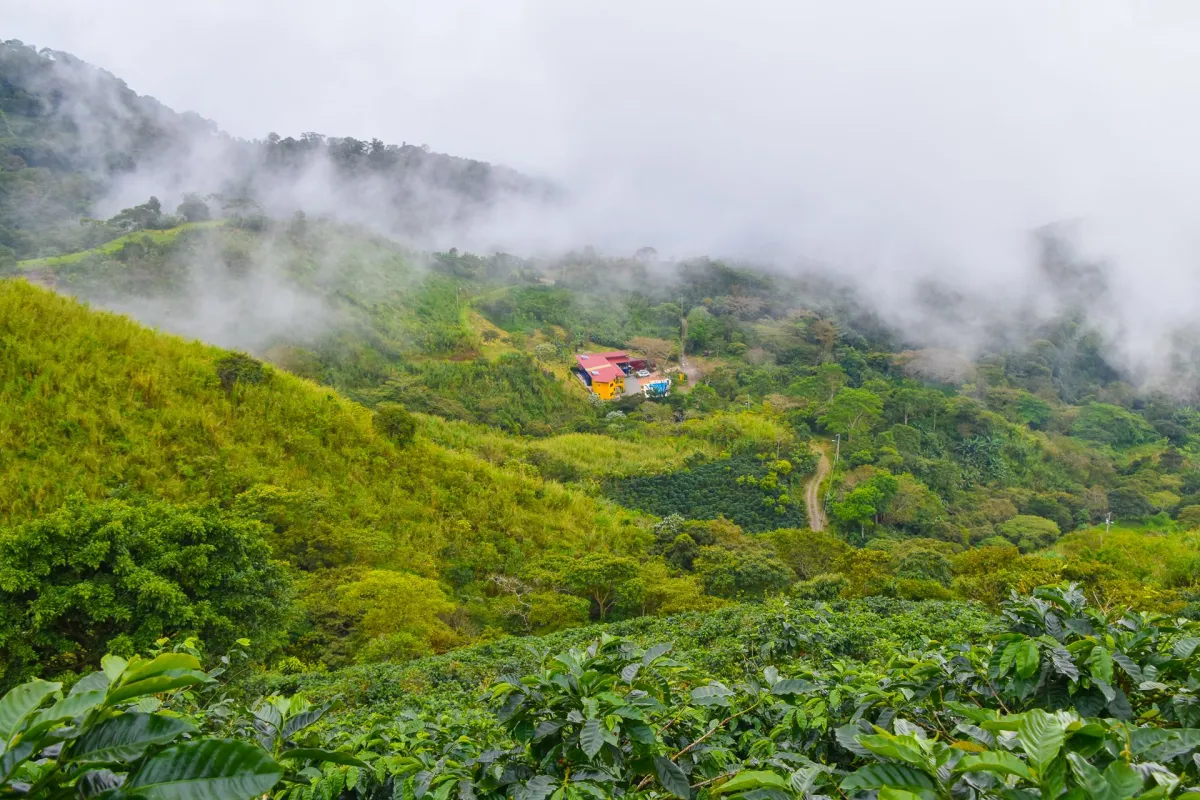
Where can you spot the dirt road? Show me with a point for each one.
(691, 371)
(812, 494)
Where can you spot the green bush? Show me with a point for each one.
(393, 421)
(1029, 532)
(1129, 504)
(97, 577)
(825, 587)
(239, 368)
(925, 565)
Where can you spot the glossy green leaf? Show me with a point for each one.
(672, 777)
(164, 682)
(14, 757)
(1090, 778)
(1123, 780)
(213, 769)
(891, 793)
(113, 666)
(997, 762)
(1185, 647)
(1129, 666)
(792, 686)
(714, 694)
(166, 663)
(656, 652)
(1041, 736)
(1027, 659)
(124, 738)
(19, 704)
(640, 732)
(1160, 744)
(97, 681)
(1007, 657)
(319, 755)
(1100, 663)
(877, 776)
(752, 779)
(73, 706)
(591, 738)
(897, 748)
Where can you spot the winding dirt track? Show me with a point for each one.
(812, 494)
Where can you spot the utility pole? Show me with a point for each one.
(1107, 525)
(837, 451)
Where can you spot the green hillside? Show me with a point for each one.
(95, 404)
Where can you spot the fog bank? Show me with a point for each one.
(892, 144)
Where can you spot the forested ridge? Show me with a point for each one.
(332, 516)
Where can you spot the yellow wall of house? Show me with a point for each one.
(608, 391)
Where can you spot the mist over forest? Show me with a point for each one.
(964, 205)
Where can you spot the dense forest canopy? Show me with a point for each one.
(250, 448)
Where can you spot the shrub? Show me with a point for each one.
(239, 368)
(826, 587)
(393, 421)
(1189, 517)
(1129, 503)
(96, 577)
(105, 738)
(916, 589)
(925, 565)
(399, 614)
(751, 573)
(1029, 532)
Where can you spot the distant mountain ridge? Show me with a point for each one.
(75, 139)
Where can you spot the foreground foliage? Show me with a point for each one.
(110, 736)
(1064, 701)
(1061, 700)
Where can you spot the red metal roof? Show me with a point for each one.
(591, 359)
(605, 373)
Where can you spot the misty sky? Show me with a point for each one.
(891, 139)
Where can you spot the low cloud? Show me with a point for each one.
(899, 147)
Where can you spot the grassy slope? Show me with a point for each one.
(94, 403)
(109, 248)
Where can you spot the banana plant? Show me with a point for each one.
(92, 742)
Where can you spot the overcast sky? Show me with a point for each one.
(891, 138)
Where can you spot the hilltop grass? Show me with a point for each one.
(162, 237)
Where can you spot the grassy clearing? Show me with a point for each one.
(157, 237)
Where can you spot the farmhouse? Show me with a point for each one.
(616, 373)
